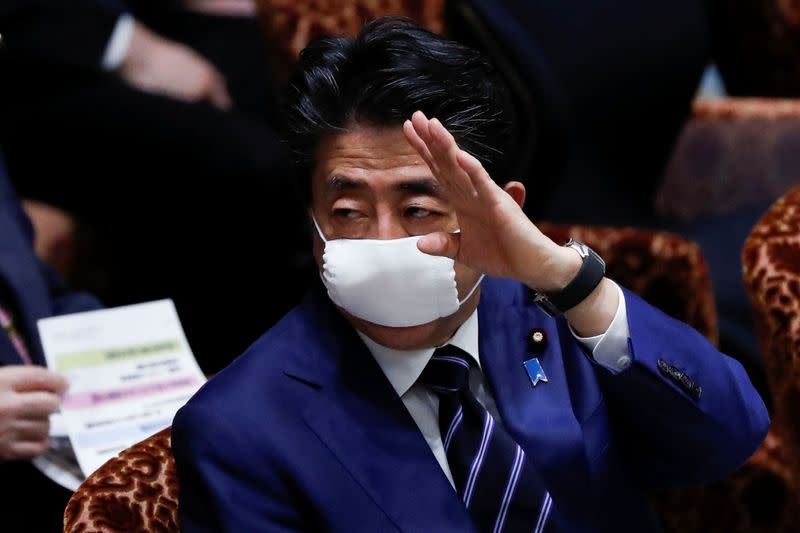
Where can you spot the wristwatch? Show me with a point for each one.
(585, 281)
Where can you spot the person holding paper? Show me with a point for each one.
(29, 393)
(459, 371)
(147, 103)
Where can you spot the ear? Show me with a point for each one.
(516, 190)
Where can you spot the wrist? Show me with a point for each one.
(594, 315)
(555, 273)
(141, 50)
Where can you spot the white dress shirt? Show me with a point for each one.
(119, 43)
(403, 368)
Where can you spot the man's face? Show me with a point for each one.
(369, 183)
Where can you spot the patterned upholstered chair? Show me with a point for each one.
(771, 261)
(136, 492)
(292, 24)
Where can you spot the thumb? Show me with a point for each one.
(218, 93)
(440, 243)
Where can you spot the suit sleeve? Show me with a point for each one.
(62, 300)
(221, 492)
(72, 33)
(682, 413)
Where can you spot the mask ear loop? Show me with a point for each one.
(319, 231)
(472, 290)
(474, 287)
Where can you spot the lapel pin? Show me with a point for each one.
(535, 371)
(537, 340)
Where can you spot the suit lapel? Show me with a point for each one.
(540, 418)
(360, 418)
(20, 271)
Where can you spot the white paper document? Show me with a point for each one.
(129, 369)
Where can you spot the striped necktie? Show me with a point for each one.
(500, 488)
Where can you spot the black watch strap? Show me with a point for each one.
(585, 281)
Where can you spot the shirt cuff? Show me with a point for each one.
(119, 44)
(611, 348)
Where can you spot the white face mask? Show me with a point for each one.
(389, 282)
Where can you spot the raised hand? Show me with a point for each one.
(496, 236)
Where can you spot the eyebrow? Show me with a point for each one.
(427, 186)
(343, 183)
(423, 185)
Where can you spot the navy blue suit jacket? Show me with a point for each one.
(34, 290)
(304, 432)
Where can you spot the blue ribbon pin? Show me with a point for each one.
(535, 371)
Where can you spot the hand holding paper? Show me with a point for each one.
(28, 395)
(129, 370)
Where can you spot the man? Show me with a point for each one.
(94, 35)
(28, 392)
(417, 396)
(165, 111)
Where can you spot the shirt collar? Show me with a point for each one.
(403, 367)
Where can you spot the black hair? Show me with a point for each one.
(380, 77)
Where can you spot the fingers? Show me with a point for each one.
(19, 450)
(418, 144)
(445, 151)
(439, 150)
(31, 430)
(481, 179)
(440, 243)
(34, 405)
(24, 420)
(24, 378)
(217, 92)
(211, 85)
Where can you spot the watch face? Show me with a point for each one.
(546, 305)
(578, 246)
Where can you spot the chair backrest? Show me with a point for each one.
(135, 491)
(667, 270)
(771, 259)
(734, 154)
(292, 24)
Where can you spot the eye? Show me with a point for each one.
(418, 212)
(349, 214)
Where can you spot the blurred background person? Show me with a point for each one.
(153, 122)
(29, 393)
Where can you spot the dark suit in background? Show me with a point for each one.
(179, 191)
(30, 502)
(612, 84)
